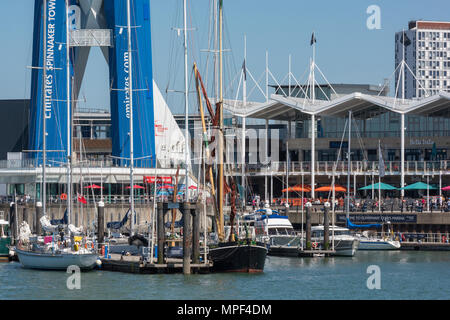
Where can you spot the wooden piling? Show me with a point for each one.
(160, 228)
(326, 226)
(100, 224)
(187, 237)
(195, 234)
(13, 222)
(38, 216)
(25, 214)
(308, 226)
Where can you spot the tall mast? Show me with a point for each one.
(216, 60)
(186, 103)
(244, 102)
(130, 92)
(69, 119)
(44, 126)
(221, 180)
(349, 160)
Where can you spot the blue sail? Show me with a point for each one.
(53, 97)
(142, 85)
(119, 224)
(64, 220)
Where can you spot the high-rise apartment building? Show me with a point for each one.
(426, 50)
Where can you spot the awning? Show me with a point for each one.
(378, 186)
(418, 186)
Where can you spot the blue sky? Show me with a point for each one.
(347, 51)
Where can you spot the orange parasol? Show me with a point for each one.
(328, 188)
(297, 188)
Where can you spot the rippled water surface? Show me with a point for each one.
(404, 275)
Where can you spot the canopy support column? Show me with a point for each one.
(313, 155)
(402, 156)
(266, 192)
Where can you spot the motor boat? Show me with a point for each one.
(345, 244)
(276, 231)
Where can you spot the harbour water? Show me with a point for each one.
(404, 275)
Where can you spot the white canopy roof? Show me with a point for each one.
(363, 106)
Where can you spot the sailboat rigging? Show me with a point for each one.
(53, 255)
(230, 255)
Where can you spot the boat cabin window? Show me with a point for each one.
(280, 231)
(319, 233)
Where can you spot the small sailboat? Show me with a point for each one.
(56, 252)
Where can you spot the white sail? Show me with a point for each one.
(169, 139)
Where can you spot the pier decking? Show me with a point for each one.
(134, 264)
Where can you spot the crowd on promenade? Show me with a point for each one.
(435, 204)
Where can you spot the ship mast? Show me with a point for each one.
(221, 179)
(130, 92)
(186, 102)
(44, 126)
(69, 123)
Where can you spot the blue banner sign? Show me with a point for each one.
(378, 218)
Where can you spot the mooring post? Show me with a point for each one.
(195, 211)
(37, 222)
(100, 224)
(187, 237)
(308, 225)
(13, 221)
(160, 229)
(326, 226)
(25, 214)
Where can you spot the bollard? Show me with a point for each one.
(195, 234)
(160, 228)
(308, 225)
(38, 216)
(326, 226)
(187, 237)
(100, 224)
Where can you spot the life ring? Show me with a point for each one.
(314, 245)
(63, 196)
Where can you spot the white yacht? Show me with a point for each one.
(345, 244)
(276, 231)
(367, 242)
(282, 240)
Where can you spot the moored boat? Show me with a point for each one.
(377, 243)
(242, 256)
(345, 244)
(57, 260)
(276, 231)
(5, 240)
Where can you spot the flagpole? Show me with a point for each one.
(313, 93)
(379, 176)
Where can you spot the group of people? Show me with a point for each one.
(435, 203)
